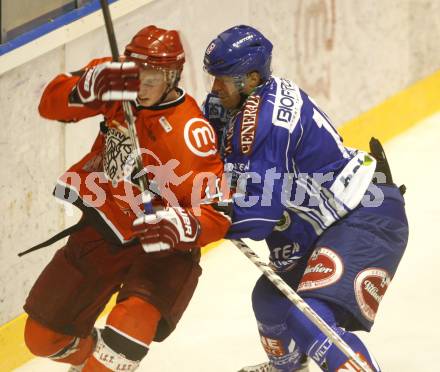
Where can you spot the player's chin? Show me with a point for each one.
(145, 101)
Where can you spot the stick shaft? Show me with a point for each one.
(128, 112)
(110, 30)
(301, 305)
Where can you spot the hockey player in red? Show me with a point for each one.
(110, 250)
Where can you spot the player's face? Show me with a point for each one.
(228, 89)
(153, 86)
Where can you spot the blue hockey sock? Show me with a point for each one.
(271, 309)
(317, 345)
(280, 347)
(337, 361)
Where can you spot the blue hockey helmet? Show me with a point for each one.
(237, 51)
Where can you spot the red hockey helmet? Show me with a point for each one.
(157, 47)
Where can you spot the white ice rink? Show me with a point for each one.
(218, 332)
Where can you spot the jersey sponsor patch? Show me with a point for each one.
(285, 252)
(324, 268)
(200, 137)
(227, 150)
(320, 351)
(165, 124)
(370, 286)
(249, 123)
(287, 105)
(273, 346)
(350, 366)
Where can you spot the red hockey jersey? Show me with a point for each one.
(179, 154)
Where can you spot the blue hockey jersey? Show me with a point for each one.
(294, 176)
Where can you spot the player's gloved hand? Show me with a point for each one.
(109, 81)
(167, 229)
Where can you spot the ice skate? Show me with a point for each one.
(78, 368)
(268, 367)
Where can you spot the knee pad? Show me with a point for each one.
(44, 342)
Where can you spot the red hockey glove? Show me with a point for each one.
(109, 81)
(167, 229)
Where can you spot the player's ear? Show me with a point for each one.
(253, 79)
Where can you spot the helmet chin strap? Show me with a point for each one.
(239, 85)
(169, 88)
(244, 96)
(173, 76)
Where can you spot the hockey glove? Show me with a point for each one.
(109, 81)
(167, 229)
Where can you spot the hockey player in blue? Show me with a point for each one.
(332, 218)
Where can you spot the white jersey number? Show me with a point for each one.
(322, 121)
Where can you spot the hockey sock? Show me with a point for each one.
(280, 347)
(271, 309)
(44, 342)
(337, 361)
(135, 317)
(125, 340)
(317, 345)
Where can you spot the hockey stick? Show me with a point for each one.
(302, 305)
(128, 113)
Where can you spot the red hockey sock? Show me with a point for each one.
(131, 327)
(135, 317)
